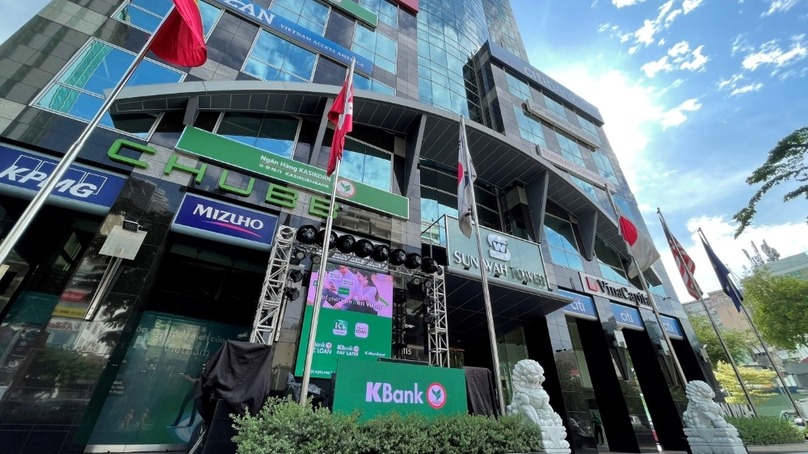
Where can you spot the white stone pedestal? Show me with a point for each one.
(715, 441)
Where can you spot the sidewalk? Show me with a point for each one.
(796, 448)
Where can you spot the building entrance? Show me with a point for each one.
(206, 293)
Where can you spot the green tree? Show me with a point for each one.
(758, 381)
(787, 161)
(737, 341)
(779, 307)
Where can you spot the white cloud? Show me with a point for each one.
(747, 89)
(788, 239)
(652, 68)
(622, 3)
(731, 82)
(776, 6)
(676, 116)
(796, 73)
(770, 53)
(739, 44)
(680, 48)
(645, 34)
(673, 15)
(698, 61)
(690, 5)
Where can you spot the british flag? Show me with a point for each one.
(683, 262)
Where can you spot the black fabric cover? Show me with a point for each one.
(238, 374)
(481, 392)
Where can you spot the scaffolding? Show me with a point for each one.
(272, 304)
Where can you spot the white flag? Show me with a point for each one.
(465, 182)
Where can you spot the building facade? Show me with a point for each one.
(99, 354)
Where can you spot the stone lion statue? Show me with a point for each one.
(533, 402)
(706, 430)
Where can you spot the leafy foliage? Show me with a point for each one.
(287, 427)
(779, 307)
(737, 341)
(766, 431)
(786, 161)
(757, 381)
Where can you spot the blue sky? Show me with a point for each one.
(694, 94)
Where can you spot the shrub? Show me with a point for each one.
(766, 431)
(287, 427)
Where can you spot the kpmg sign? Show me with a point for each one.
(23, 174)
(297, 33)
(524, 68)
(581, 306)
(613, 290)
(224, 222)
(506, 258)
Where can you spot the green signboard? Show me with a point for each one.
(255, 160)
(356, 319)
(356, 11)
(151, 400)
(506, 257)
(382, 387)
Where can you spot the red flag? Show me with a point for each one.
(341, 114)
(181, 39)
(683, 262)
(642, 248)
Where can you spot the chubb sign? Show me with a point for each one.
(381, 387)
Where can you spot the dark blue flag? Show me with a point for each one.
(722, 273)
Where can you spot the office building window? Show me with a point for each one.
(589, 127)
(273, 133)
(561, 240)
(147, 14)
(78, 91)
(366, 164)
(529, 128)
(556, 107)
(306, 13)
(611, 267)
(376, 47)
(386, 11)
(623, 205)
(363, 83)
(518, 88)
(274, 58)
(604, 165)
(570, 149)
(586, 187)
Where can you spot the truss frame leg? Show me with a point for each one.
(271, 304)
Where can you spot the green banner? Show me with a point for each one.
(251, 159)
(385, 386)
(151, 399)
(355, 319)
(355, 10)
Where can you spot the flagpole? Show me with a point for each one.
(678, 366)
(738, 296)
(36, 204)
(489, 315)
(715, 326)
(321, 276)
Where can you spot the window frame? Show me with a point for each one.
(222, 114)
(271, 33)
(563, 250)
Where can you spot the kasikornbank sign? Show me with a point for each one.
(224, 222)
(506, 258)
(381, 387)
(613, 290)
(23, 173)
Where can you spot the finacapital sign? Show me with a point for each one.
(507, 258)
(251, 159)
(297, 33)
(23, 173)
(382, 387)
(208, 218)
(613, 290)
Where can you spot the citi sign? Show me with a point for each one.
(613, 290)
(385, 393)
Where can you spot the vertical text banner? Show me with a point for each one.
(383, 387)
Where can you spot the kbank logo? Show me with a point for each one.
(436, 396)
(498, 247)
(340, 327)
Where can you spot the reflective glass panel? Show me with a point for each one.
(363, 83)
(555, 106)
(386, 11)
(366, 164)
(307, 13)
(147, 14)
(561, 240)
(376, 47)
(529, 128)
(570, 149)
(518, 88)
(273, 133)
(274, 58)
(604, 166)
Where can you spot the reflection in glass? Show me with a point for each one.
(274, 58)
(611, 266)
(366, 164)
(529, 128)
(561, 240)
(385, 10)
(604, 166)
(307, 13)
(570, 148)
(273, 133)
(376, 47)
(147, 14)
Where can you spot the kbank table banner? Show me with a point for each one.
(356, 319)
(507, 258)
(236, 154)
(382, 387)
(219, 221)
(23, 173)
(151, 399)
